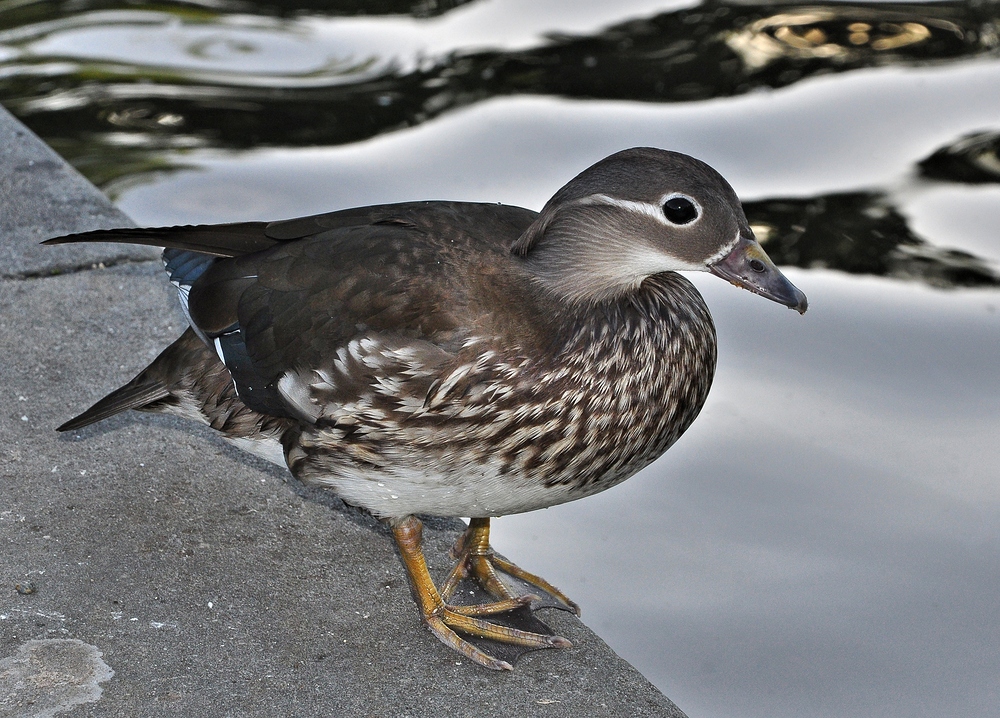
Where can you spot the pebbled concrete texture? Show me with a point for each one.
(207, 581)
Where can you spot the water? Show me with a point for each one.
(825, 540)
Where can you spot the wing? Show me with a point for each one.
(332, 303)
(312, 313)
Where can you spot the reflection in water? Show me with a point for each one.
(19, 14)
(718, 50)
(860, 233)
(284, 8)
(974, 160)
(713, 50)
(853, 36)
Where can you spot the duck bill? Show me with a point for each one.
(748, 266)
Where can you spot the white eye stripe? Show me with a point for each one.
(653, 211)
(724, 250)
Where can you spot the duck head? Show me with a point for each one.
(644, 211)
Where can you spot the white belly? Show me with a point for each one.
(403, 490)
(480, 492)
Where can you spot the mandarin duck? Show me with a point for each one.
(458, 359)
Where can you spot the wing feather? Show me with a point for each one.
(282, 301)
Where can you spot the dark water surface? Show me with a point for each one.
(825, 540)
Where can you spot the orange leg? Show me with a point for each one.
(444, 620)
(475, 557)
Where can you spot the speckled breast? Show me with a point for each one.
(503, 431)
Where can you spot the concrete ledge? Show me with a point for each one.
(42, 196)
(190, 570)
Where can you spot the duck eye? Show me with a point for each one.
(680, 210)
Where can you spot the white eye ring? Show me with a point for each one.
(680, 209)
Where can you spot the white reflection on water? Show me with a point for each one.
(252, 50)
(825, 540)
(956, 216)
(246, 50)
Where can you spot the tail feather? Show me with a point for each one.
(134, 395)
(222, 240)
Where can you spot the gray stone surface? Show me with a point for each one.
(42, 196)
(209, 582)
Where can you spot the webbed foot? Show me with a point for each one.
(476, 559)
